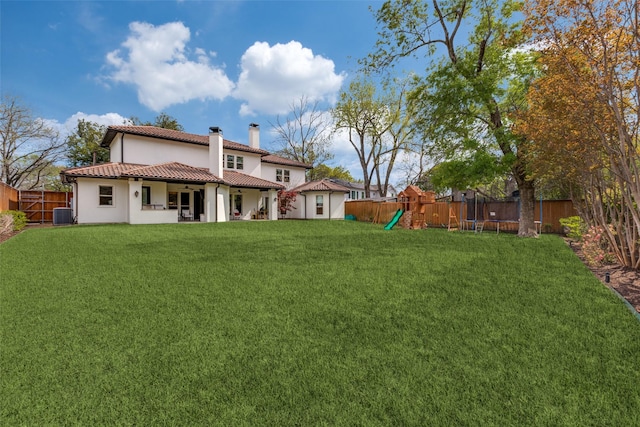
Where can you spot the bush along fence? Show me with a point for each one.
(492, 214)
(38, 205)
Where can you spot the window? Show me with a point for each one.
(236, 162)
(105, 193)
(173, 200)
(319, 204)
(354, 195)
(146, 195)
(283, 175)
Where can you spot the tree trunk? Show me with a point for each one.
(527, 226)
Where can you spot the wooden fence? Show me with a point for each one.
(39, 205)
(437, 214)
(9, 197)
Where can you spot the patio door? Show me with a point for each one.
(185, 206)
(198, 204)
(235, 204)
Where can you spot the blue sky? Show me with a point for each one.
(206, 63)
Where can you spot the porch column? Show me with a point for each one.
(135, 202)
(222, 204)
(210, 202)
(273, 205)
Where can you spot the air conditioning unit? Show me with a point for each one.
(62, 216)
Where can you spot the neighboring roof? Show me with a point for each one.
(238, 179)
(173, 171)
(173, 135)
(278, 160)
(360, 186)
(322, 185)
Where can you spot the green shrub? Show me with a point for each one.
(19, 219)
(574, 226)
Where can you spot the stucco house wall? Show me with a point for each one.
(296, 176)
(87, 199)
(145, 150)
(318, 200)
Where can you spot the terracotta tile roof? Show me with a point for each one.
(322, 185)
(173, 135)
(103, 170)
(173, 171)
(237, 179)
(272, 158)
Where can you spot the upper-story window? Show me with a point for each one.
(235, 162)
(283, 175)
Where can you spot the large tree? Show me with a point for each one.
(83, 145)
(358, 113)
(305, 134)
(376, 124)
(323, 171)
(584, 115)
(471, 83)
(28, 145)
(162, 120)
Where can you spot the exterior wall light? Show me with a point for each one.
(137, 193)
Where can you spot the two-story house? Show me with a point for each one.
(158, 175)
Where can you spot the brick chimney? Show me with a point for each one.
(254, 135)
(215, 151)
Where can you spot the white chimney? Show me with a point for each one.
(254, 135)
(215, 151)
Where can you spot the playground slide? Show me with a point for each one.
(395, 220)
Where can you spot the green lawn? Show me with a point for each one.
(308, 323)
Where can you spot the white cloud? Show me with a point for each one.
(102, 119)
(70, 124)
(156, 62)
(274, 76)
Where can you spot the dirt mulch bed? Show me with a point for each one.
(625, 280)
(5, 237)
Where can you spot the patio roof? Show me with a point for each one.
(169, 172)
(172, 171)
(103, 170)
(237, 179)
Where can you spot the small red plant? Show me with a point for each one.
(285, 201)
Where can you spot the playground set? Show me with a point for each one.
(413, 211)
(418, 209)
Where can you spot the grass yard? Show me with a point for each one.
(308, 323)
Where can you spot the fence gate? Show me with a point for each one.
(39, 205)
